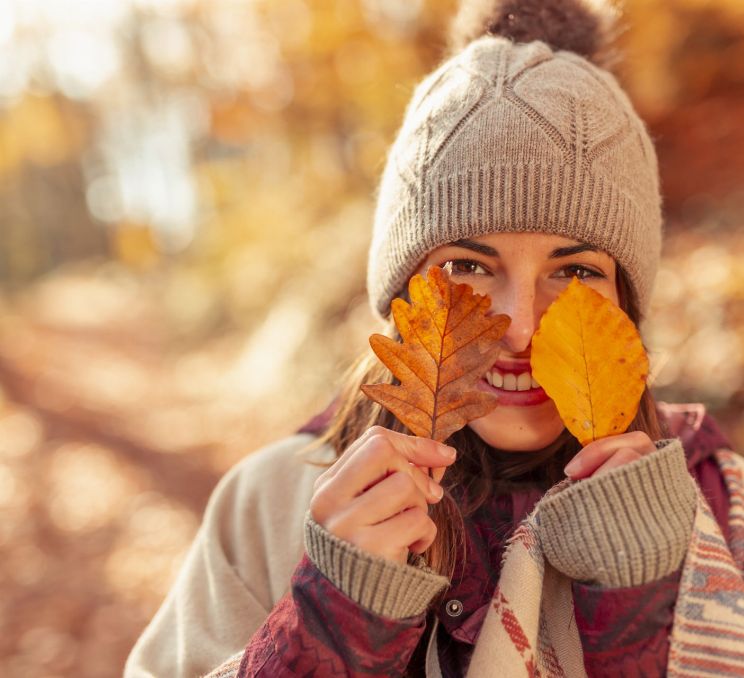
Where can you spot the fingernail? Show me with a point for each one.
(573, 467)
(436, 489)
(447, 451)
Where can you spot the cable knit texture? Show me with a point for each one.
(627, 527)
(516, 137)
(378, 585)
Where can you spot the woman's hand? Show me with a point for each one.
(605, 454)
(377, 493)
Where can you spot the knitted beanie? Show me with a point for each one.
(520, 131)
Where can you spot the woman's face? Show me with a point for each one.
(522, 273)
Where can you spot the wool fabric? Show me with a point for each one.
(522, 138)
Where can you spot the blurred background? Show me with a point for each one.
(186, 191)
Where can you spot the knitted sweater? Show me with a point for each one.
(232, 584)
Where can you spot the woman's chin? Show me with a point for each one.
(514, 429)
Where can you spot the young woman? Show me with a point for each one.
(520, 164)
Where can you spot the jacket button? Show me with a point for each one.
(453, 608)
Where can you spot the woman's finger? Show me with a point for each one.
(382, 455)
(332, 499)
(437, 473)
(423, 452)
(350, 451)
(623, 456)
(409, 530)
(428, 485)
(397, 493)
(596, 453)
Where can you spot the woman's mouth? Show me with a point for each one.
(511, 382)
(514, 384)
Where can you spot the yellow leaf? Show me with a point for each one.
(588, 356)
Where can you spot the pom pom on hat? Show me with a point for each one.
(586, 27)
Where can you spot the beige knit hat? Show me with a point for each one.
(520, 136)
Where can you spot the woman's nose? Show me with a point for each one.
(520, 305)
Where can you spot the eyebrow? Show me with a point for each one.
(491, 252)
(475, 247)
(571, 250)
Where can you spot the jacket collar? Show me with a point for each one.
(466, 602)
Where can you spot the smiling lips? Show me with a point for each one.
(510, 381)
(514, 384)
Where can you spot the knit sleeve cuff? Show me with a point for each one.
(627, 527)
(380, 586)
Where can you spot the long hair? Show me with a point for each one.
(480, 471)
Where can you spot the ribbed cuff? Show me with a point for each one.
(378, 585)
(627, 527)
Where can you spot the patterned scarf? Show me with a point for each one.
(530, 630)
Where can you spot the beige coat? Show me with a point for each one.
(251, 539)
(237, 568)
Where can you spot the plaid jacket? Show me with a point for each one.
(315, 630)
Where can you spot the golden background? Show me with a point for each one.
(186, 193)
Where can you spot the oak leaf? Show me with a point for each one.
(449, 342)
(588, 357)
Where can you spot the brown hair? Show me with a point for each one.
(480, 470)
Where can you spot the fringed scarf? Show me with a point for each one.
(530, 629)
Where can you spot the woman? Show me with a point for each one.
(519, 165)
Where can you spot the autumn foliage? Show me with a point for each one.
(588, 356)
(449, 342)
(133, 377)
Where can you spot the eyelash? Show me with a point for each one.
(587, 272)
(451, 263)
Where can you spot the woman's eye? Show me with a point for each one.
(579, 271)
(463, 267)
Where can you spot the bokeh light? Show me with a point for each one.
(186, 193)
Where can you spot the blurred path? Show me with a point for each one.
(114, 430)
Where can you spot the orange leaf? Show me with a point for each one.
(449, 342)
(588, 356)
